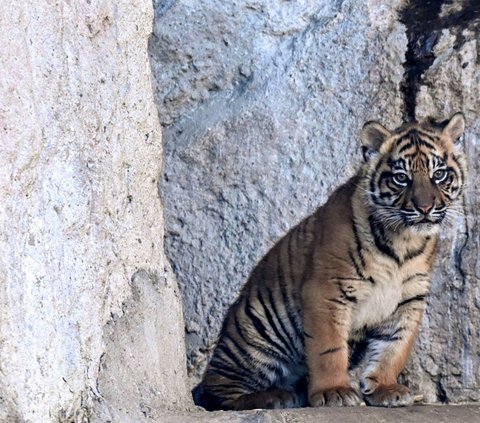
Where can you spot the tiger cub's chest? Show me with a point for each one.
(380, 300)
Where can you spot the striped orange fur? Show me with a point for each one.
(345, 287)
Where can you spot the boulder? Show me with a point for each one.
(262, 104)
(82, 225)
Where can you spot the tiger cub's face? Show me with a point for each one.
(415, 173)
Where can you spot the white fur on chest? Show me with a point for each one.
(380, 302)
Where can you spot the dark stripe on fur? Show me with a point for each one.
(261, 328)
(237, 362)
(385, 338)
(337, 301)
(346, 294)
(410, 300)
(357, 241)
(373, 176)
(273, 325)
(380, 239)
(355, 265)
(455, 159)
(417, 143)
(290, 343)
(415, 276)
(377, 335)
(339, 278)
(330, 351)
(417, 137)
(272, 354)
(286, 300)
(415, 253)
(234, 376)
(256, 374)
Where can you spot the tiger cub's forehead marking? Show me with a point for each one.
(398, 164)
(415, 141)
(415, 149)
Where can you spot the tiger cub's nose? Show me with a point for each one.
(425, 209)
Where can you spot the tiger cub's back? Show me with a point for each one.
(261, 343)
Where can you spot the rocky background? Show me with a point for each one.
(262, 103)
(90, 319)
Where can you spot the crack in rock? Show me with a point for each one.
(425, 20)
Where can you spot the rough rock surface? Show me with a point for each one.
(142, 372)
(262, 103)
(448, 352)
(416, 414)
(80, 215)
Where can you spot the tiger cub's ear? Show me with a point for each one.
(373, 135)
(455, 127)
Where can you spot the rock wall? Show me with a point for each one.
(447, 361)
(90, 320)
(262, 103)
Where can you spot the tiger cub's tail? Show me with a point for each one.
(205, 399)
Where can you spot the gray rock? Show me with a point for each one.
(262, 103)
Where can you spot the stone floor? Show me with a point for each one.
(417, 414)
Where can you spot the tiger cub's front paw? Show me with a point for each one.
(335, 397)
(390, 396)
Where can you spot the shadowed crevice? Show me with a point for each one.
(424, 21)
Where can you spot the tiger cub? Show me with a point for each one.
(345, 287)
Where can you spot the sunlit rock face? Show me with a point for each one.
(262, 104)
(81, 223)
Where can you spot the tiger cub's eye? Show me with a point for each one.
(439, 175)
(400, 179)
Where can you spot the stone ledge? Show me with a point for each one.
(416, 414)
